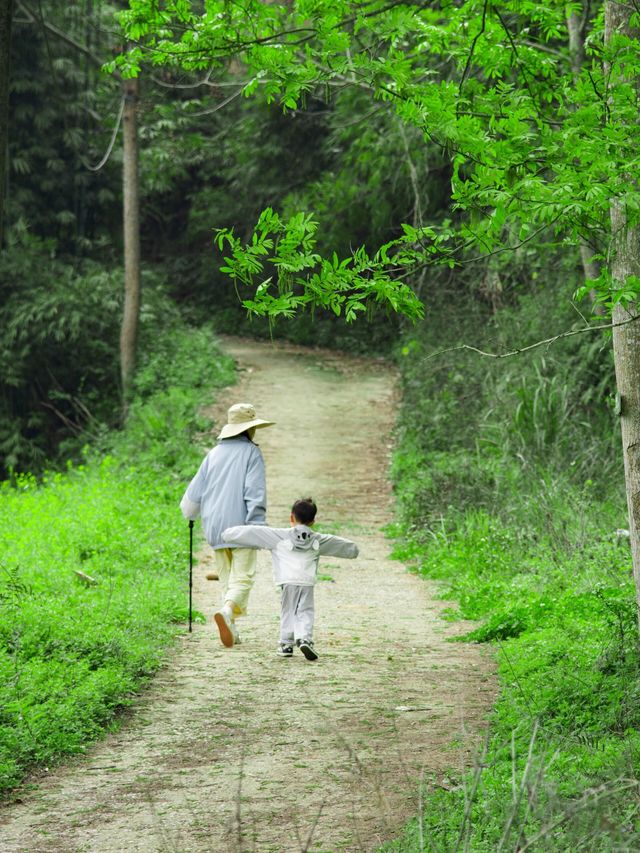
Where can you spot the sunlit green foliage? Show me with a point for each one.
(358, 283)
(538, 145)
(71, 653)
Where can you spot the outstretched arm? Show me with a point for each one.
(334, 546)
(252, 536)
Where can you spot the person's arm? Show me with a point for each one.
(190, 509)
(255, 490)
(252, 536)
(190, 503)
(334, 546)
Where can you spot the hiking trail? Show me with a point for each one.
(239, 750)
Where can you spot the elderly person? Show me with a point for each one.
(230, 490)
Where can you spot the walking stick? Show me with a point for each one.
(190, 573)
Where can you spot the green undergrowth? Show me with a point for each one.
(550, 587)
(510, 494)
(72, 652)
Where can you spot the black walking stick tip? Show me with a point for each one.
(190, 573)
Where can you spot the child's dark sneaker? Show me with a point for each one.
(306, 647)
(284, 650)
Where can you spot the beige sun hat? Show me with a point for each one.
(241, 417)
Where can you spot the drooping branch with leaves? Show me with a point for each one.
(300, 278)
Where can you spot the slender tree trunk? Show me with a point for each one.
(575, 30)
(590, 266)
(626, 350)
(625, 261)
(6, 15)
(576, 23)
(131, 227)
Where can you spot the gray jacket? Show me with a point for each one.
(229, 489)
(295, 551)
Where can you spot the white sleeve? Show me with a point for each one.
(252, 536)
(334, 546)
(255, 490)
(190, 509)
(190, 503)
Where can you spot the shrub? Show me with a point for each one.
(58, 352)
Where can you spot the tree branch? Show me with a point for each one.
(552, 340)
(467, 66)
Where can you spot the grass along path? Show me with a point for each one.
(238, 750)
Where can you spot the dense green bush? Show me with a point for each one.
(58, 351)
(72, 654)
(59, 362)
(475, 431)
(63, 110)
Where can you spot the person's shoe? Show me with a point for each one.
(306, 647)
(227, 629)
(284, 650)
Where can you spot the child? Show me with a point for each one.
(295, 552)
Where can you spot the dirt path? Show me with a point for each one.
(238, 750)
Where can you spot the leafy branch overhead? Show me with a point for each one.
(539, 143)
(281, 265)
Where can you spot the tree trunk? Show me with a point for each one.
(576, 24)
(625, 261)
(626, 351)
(6, 15)
(131, 227)
(590, 266)
(575, 30)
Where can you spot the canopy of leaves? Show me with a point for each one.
(538, 143)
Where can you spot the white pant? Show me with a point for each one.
(296, 613)
(237, 570)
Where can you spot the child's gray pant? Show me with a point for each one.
(296, 613)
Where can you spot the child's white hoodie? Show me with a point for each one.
(295, 551)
